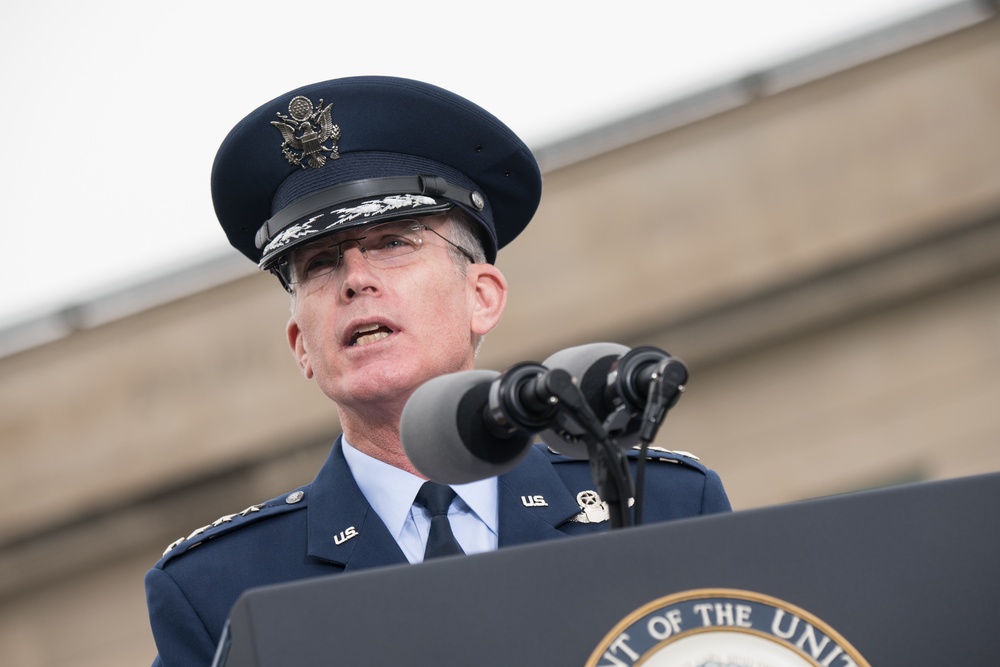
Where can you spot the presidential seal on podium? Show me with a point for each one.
(723, 628)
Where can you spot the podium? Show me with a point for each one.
(907, 575)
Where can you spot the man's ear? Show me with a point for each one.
(490, 297)
(297, 343)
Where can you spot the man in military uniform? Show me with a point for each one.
(380, 204)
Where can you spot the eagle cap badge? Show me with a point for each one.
(309, 136)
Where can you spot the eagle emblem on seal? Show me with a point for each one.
(309, 135)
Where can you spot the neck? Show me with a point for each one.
(377, 436)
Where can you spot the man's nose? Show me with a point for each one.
(352, 251)
(356, 274)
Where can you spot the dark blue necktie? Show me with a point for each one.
(436, 499)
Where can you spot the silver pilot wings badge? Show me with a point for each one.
(594, 510)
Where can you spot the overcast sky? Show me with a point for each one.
(113, 109)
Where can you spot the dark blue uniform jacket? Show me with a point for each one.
(311, 532)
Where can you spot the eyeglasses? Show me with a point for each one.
(383, 245)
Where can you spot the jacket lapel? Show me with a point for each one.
(343, 527)
(532, 502)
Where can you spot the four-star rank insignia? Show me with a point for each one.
(310, 137)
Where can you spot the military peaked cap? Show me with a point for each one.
(349, 152)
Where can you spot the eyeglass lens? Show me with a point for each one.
(379, 244)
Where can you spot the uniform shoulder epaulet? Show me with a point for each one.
(230, 522)
(671, 456)
(653, 453)
(659, 453)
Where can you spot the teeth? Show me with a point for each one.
(370, 338)
(369, 333)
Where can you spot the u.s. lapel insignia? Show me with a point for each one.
(594, 510)
(345, 535)
(310, 137)
(534, 501)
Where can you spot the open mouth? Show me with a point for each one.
(368, 334)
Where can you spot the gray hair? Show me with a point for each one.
(464, 234)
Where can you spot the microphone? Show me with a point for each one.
(616, 383)
(466, 426)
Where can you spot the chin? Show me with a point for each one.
(386, 385)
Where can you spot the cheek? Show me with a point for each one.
(450, 305)
(445, 320)
(314, 339)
